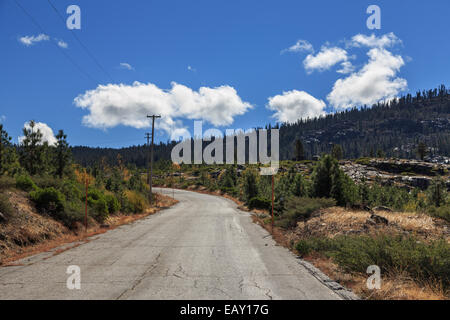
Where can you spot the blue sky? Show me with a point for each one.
(237, 50)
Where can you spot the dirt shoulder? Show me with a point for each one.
(28, 232)
(335, 221)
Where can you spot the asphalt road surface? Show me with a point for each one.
(201, 248)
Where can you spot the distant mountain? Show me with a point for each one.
(395, 128)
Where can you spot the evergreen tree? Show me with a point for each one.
(250, 185)
(337, 152)
(5, 144)
(436, 193)
(322, 177)
(32, 149)
(299, 152)
(62, 158)
(421, 150)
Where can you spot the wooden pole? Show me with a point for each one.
(272, 201)
(86, 203)
(151, 156)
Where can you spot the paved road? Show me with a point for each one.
(202, 248)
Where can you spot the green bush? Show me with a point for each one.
(73, 212)
(355, 253)
(46, 181)
(71, 190)
(297, 209)
(113, 203)
(6, 182)
(48, 200)
(24, 182)
(440, 212)
(97, 201)
(259, 203)
(250, 185)
(136, 202)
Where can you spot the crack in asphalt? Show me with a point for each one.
(142, 277)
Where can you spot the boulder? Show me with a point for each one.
(382, 208)
(379, 219)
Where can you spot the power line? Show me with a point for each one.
(85, 48)
(82, 44)
(59, 48)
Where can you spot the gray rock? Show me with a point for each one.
(382, 208)
(379, 219)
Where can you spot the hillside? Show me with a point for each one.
(394, 129)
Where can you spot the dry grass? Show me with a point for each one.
(338, 221)
(396, 286)
(29, 233)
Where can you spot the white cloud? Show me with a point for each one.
(294, 105)
(346, 67)
(191, 69)
(124, 65)
(374, 82)
(325, 59)
(2, 118)
(30, 40)
(372, 41)
(118, 104)
(63, 44)
(47, 132)
(300, 46)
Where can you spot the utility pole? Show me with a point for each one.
(86, 177)
(151, 156)
(272, 201)
(147, 135)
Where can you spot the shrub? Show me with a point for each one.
(97, 201)
(440, 212)
(136, 203)
(113, 203)
(391, 253)
(73, 212)
(259, 203)
(6, 182)
(230, 190)
(297, 209)
(71, 190)
(24, 182)
(48, 200)
(250, 186)
(436, 193)
(46, 181)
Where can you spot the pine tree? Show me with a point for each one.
(5, 143)
(421, 150)
(322, 177)
(32, 151)
(299, 152)
(337, 152)
(62, 158)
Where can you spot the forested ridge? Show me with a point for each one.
(393, 128)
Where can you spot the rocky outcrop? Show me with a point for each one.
(402, 173)
(409, 166)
